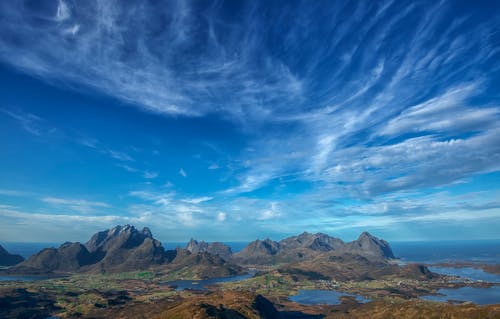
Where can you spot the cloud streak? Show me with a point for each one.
(348, 110)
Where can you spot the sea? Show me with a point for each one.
(429, 252)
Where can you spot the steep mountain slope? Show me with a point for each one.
(215, 248)
(369, 246)
(258, 252)
(67, 258)
(125, 248)
(7, 259)
(201, 265)
(122, 248)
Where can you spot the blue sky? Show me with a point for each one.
(235, 120)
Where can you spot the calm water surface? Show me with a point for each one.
(468, 273)
(480, 296)
(323, 297)
(203, 284)
(24, 278)
(481, 251)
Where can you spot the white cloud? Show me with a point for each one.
(221, 216)
(182, 172)
(271, 213)
(152, 75)
(128, 168)
(365, 116)
(197, 200)
(121, 156)
(150, 175)
(31, 123)
(63, 12)
(12, 192)
(76, 205)
(65, 201)
(447, 112)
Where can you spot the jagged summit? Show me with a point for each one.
(308, 245)
(127, 236)
(215, 248)
(121, 248)
(126, 248)
(369, 246)
(317, 242)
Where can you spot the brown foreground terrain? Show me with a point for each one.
(141, 295)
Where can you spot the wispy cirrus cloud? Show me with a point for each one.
(149, 72)
(75, 205)
(182, 172)
(357, 100)
(384, 127)
(197, 200)
(31, 123)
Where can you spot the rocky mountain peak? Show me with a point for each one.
(195, 247)
(366, 235)
(216, 248)
(126, 236)
(371, 246)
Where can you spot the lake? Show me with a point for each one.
(480, 296)
(203, 284)
(24, 278)
(323, 297)
(467, 273)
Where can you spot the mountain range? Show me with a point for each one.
(306, 246)
(126, 248)
(121, 249)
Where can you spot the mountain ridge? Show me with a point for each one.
(126, 248)
(120, 249)
(307, 245)
(8, 259)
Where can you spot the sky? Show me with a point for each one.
(237, 120)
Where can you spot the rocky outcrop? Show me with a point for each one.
(125, 248)
(7, 259)
(215, 248)
(369, 246)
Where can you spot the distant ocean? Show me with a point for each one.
(483, 251)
